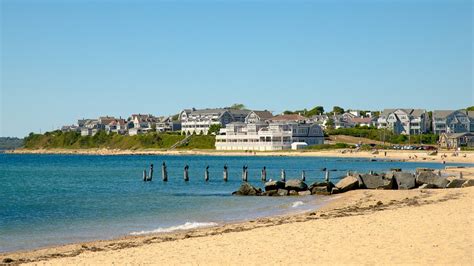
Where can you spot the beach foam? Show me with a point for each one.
(297, 204)
(186, 226)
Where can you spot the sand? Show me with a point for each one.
(399, 155)
(358, 227)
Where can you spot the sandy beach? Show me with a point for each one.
(420, 226)
(403, 155)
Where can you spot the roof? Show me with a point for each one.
(458, 135)
(412, 112)
(361, 120)
(263, 114)
(289, 117)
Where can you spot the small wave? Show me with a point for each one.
(186, 226)
(297, 203)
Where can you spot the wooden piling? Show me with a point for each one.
(327, 177)
(144, 175)
(226, 173)
(206, 174)
(283, 175)
(186, 173)
(303, 175)
(164, 172)
(244, 173)
(151, 173)
(264, 174)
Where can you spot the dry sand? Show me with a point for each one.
(404, 155)
(358, 227)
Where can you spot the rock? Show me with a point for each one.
(468, 183)
(293, 193)
(456, 183)
(376, 182)
(428, 177)
(274, 185)
(396, 169)
(304, 193)
(282, 192)
(270, 193)
(296, 184)
(422, 169)
(335, 190)
(321, 185)
(322, 190)
(404, 180)
(426, 186)
(247, 190)
(347, 183)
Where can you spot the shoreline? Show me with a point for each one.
(400, 155)
(350, 205)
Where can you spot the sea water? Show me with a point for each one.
(56, 199)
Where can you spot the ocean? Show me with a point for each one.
(49, 200)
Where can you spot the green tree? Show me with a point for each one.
(238, 106)
(288, 112)
(470, 108)
(337, 110)
(318, 110)
(214, 129)
(330, 123)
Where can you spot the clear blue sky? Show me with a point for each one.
(64, 60)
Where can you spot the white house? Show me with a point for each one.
(199, 121)
(452, 121)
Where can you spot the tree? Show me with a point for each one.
(470, 108)
(318, 110)
(337, 110)
(214, 129)
(238, 106)
(330, 123)
(288, 112)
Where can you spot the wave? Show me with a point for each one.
(297, 203)
(186, 226)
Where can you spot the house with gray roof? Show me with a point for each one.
(195, 121)
(258, 116)
(452, 121)
(456, 140)
(404, 121)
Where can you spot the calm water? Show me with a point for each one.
(55, 199)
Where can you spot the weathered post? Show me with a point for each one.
(226, 174)
(283, 175)
(164, 172)
(264, 174)
(206, 174)
(144, 175)
(186, 174)
(327, 177)
(244, 173)
(151, 173)
(303, 176)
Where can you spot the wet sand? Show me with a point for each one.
(417, 226)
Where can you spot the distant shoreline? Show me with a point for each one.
(400, 155)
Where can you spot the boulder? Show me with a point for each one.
(247, 190)
(468, 183)
(282, 192)
(321, 185)
(293, 193)
(376, 181)
(456, 183)
(428, 177)
(322, 190)
(304, 193)
(347, 183)
(404, 180)
(296, 184)
(426, 186)
(270, 193)
(335, 190)
(396, 169)
(274, 185)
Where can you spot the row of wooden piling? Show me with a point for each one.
(225, 174)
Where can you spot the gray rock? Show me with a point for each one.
(456, 183)
(404, 180)
(335, 190)
(323, 190)
(428, 177)
(296, 184)
(347, 183)
(422, 169)
(304, 193)
(468, 183)
(247, 190)
(274, 185)
(293, 193)
(282, 192)
(270, 193)
(377, 182)
(327, 186)
(427, 186)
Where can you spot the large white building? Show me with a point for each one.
(405, 121)
(199, 121)
(260, 136)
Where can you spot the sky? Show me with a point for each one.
(66, 60)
